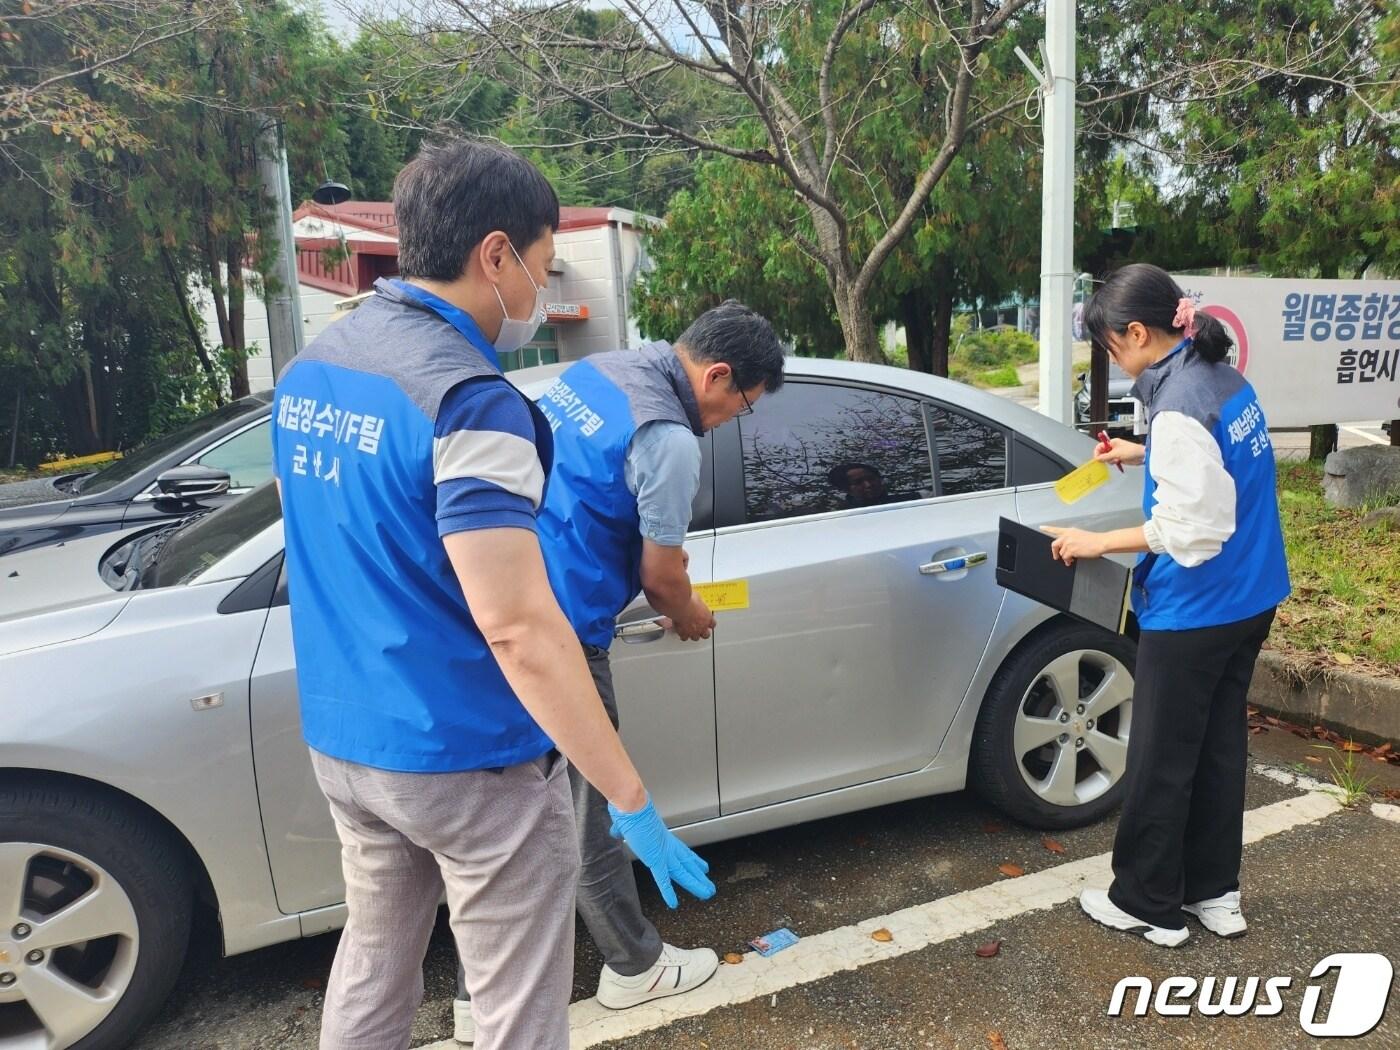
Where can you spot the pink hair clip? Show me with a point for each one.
(1185, 318)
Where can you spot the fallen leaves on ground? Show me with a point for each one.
(733, 958)
(1053, 845)
(1011, 871)
(989, 949)
(991, 827)
(882, 935)
(996, 1041)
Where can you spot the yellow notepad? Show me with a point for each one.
(724, 595)
(1081, 481)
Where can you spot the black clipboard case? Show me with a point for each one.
(1095, 590)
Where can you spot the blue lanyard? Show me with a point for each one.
(453, 315)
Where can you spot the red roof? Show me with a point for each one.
(378, 216)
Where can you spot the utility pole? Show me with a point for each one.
(284, 319)
(1057, 272)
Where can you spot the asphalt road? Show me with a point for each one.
(1318, 880)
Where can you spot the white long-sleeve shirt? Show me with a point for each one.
(1195, 510)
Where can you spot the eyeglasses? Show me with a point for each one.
(748, 405)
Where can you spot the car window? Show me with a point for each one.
(247, 457)
(813, 447)
(192, 549)
(139, 459)
(971, 453)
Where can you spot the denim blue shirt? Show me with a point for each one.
(663, 472)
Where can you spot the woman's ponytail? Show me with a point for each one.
(1211, 342)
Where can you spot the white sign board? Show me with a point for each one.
(1315, 351)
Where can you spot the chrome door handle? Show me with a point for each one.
(964, 561)
(641, 631)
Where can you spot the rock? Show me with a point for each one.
(1354, 477)
(1387, 517)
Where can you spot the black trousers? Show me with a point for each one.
(1180, 834)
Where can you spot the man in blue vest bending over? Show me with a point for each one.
(626, 471)
(436, 672)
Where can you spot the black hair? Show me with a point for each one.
(840, 475)
(741, 338)
(453, 194)
(1147, 294)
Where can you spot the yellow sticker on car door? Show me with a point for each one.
(724, 595)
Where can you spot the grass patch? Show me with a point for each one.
(997, 377)
(1346, 580)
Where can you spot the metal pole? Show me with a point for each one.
(1057, 271)
(283, 302)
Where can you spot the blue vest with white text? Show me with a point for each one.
(589, 525)
(1250, 574)
(392, 670)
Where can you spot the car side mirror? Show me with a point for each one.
(192, 482)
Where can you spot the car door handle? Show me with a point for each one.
(963, 561)
(641, 631)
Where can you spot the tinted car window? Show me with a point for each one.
(136, 461)
(190, 550)
(812, 448)
(971, 453)
(247, 457)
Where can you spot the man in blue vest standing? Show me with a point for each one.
(436, 672)
(626, 471)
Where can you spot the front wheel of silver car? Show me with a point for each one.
(95, 909)
(1051, 744)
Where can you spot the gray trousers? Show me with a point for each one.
(503, 845)
(607, 888)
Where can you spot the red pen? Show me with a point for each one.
(1107, 446)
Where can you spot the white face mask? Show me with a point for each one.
(515, 334)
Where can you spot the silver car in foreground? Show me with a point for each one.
(151, 758)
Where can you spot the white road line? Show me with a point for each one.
(1379, 440)
(851, 947)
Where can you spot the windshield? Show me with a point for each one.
(139, 459)
(190, 549)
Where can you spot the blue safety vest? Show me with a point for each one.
(1250, 574)
(392, 670)
(589, 526)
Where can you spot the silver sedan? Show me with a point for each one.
(152, 759)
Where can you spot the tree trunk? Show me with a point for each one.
(238, 356)
(196, 340)
(915, 309)
(1395, 433)
(1323, 441)
(942, 328)
(857, 326)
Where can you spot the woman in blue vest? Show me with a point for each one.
(1205, 591)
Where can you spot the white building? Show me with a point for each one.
(343, 249)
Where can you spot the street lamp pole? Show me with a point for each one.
(284, 318)
(1057, 271)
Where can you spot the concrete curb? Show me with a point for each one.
(1350, 703)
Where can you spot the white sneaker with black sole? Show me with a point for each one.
(1220, 915)
(1098, 907)
(677, 970)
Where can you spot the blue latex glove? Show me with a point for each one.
(668, 858)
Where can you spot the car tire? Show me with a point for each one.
(72, 843)
(1022, 707)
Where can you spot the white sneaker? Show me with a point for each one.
(1098, 907)
(463, 1027)
(1220, 915)
(676, 971)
